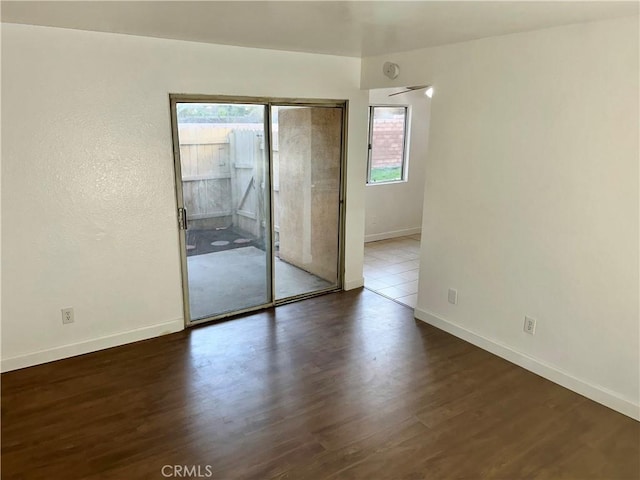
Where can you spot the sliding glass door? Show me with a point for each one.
(259, 192)
(225, 216)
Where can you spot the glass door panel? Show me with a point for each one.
(307, 153)
(224, 190)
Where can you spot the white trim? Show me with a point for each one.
(80, 348)
(353, 284)
(374, 237)
(390, 182)
(592, 391)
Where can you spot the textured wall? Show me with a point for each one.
(531, 199)
(88, 181)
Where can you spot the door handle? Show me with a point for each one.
(182, 219)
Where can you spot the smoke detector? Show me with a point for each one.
(391, 70)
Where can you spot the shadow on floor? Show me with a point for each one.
(219, 239)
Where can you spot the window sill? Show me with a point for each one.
(391, 182)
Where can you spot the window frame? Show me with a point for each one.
(405, 145)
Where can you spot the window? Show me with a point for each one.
(387, 144)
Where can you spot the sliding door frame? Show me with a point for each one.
(174, 99)
(268, 103)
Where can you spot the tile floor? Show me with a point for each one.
(391, 268)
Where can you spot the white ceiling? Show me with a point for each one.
(350, 28)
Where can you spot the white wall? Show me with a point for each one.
(531, 201)
(395, 209)
(88, 203)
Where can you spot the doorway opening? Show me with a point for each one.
(259, 192)
(394, 196)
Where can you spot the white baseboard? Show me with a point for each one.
(80, 348)
(396, 233)
(594, 392)
(353, 284)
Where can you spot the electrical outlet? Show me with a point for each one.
(67, 315)
(453, 296)
(529, 325)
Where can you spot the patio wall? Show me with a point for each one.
(310, 143)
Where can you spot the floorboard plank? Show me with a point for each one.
(343, 386)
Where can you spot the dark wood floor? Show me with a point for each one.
(344, 386)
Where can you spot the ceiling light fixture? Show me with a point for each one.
(429, 92)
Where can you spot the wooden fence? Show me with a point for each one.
(224, 177)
